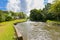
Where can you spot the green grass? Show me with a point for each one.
(53, 22)
(7, 29)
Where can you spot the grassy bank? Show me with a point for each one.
(53, 22)
(7, 30)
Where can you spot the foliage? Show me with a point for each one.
(55, 9)
(50, 12)
(7, 31)
(46, 13)
(40, 15)
(2, 17)
(36, 15)
(50, 16)
(7, 16)
(21, 15)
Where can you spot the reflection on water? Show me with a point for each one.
(38, 31)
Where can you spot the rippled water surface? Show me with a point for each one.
(38, 31)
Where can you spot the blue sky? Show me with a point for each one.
(3, 4)
(45, 1)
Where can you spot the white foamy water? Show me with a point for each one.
(37, 31)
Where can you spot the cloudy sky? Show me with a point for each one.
(22, 5)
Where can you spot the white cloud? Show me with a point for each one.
(13, 5)
(50, 1)
(35, 4)
(38, 4)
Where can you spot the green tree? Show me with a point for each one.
(21, 15)
(2, 17)
(55, 8)
(33, 14)
(46, 12)
(36, 15)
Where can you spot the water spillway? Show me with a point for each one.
(38, 31)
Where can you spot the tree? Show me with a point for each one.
(21, 15)
(36, 15)
(55, 8)
(10, 15)
(45, 10)
(2, 17)
(33, 14)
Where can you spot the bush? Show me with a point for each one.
(2, 18)
(22, 15)
(37, 15)
(51, 16)
(8, 18)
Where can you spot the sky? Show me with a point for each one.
(3, 4)
(22, 5)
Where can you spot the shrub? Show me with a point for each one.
(8, 18)
(37, 15)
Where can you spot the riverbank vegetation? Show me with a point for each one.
(50, 12)
(7, 31)
(7, 21)
(8, 16)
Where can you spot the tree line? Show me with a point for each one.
(10, 15)
(50, 12)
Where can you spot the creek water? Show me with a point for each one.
(38, 31)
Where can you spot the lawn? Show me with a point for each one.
(53, 22)
(7, 29)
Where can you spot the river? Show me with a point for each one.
(38, 31)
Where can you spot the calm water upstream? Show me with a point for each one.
(38, 31)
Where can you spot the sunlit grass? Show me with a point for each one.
(7, 29)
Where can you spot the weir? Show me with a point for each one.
(37, 31)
